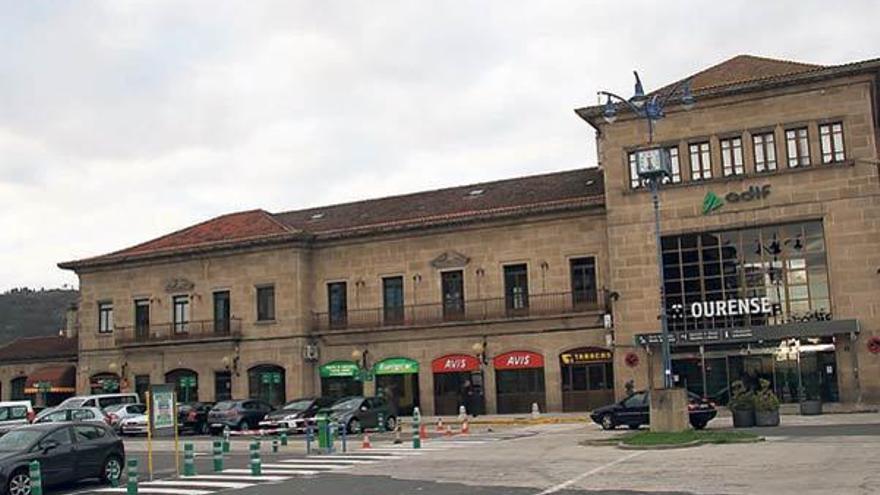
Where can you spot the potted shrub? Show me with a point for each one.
(766, 406)
(742, 405)
(811, 398)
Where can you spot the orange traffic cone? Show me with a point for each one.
(440, 427)
(366, 444)
(423, 431)
(448, 432)
(465, 427)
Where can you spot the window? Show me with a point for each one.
(142, 317)
(266, 303)
(583, 282)
(797, 144)
(392, 300)
(636, 400)
(181, 313)
(764, 146)
(141, 385)
(88, 433)
(81, 415)
(732, 156)
(701, 161)
(16, 388)
(222, 385)
(635, 182)
(516, 288)
(831, 140)
(105, 317)
(452, 284)
(337, 303)
(61, 435)
(222, 312)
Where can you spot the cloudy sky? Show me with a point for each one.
(121, 121)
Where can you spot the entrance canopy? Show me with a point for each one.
(339, 369)
(454, 363)
(517, 360)
(52, 379)
(396, 366)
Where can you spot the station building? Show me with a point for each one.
(541, 289)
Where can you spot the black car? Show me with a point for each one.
(193, 417)
(67, 452)
(296, 415)
(360, 413)
(237, 414)
(634, 412)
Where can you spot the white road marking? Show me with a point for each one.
(356, 457)
(296, 465)
(566, 484)
(156, 490)
(300, 472)
(328, 461)
(237, 477)
(197, 483)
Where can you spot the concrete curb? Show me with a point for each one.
(695, 443)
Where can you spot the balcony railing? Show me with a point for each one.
(534, 305)
(170, 332)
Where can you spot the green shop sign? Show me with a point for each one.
(271, 378)
(396, 366)
(337, 369)
(712, 201)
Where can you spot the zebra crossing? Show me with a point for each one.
(282, 470)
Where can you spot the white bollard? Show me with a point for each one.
(535, 412)
(462, 413)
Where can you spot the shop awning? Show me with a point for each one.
(455, 363)
(338, 369)
(52, 379)
(396, 366)
(518, 360)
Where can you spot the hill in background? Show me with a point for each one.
(28, 313)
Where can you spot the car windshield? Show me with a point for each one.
(298, 405)
(17, 440)
(223, 406)
(114, 408)
(76, 402)
(347, 404)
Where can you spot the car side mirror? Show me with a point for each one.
(49, 445)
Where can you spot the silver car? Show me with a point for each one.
(134, 425)
(121, 412)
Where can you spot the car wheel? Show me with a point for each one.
(607, 422)
(242, 425)
(19, 483)
(354, 426)
(391, 423)
(112, 470)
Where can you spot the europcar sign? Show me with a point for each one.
(712, 201)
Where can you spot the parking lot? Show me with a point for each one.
(806, 455)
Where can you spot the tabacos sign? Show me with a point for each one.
(712, 201)
(518, 360)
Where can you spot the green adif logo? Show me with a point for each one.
(711, 203)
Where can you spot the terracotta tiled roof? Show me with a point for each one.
(39, 348)
(745, 73)
(535, 194)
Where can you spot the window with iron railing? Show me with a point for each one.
(181, 315)
(337, 303)
(516, 288)
(452, 283)
(392, 300)
(105, 317)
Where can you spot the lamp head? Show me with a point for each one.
(610, 111)
(687, 97)
(638, 97)
(356, 355)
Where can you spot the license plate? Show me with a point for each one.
(216, 425)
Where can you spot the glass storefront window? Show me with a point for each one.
(785, 264)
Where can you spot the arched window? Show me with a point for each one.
(267, 383)
(186, 384)
(16, 388)
(104, 383)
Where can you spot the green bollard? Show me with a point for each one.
(417, 418)
(189, 461)
(256, 465)
(382, 423)
(226, 440)
(284, 439)
(323, 433)
(218, 456)
(132, 485)
(275, 445)
(36, 478)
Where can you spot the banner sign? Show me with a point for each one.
(454, 363)
(396, 366)
(162, 406)
(586, 355)
(728, 307)
(338, 369)
(518, 360)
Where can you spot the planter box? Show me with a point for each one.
(743, 418)
(767, 418)
(811, 407)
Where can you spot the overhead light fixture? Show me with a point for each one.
(610, 112)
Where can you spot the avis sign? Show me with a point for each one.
(455, 363)
(518, 360)
(712, 201)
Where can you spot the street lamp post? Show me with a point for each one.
(653, 167)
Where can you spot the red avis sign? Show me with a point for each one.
(454, 363)
(516, 360)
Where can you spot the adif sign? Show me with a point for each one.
(731, 307)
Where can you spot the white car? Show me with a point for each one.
(135, 424)
(15, 413)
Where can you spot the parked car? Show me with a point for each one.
(15, 413)
(237, 414)
(119, 412)
(100, 401)
(193, 417)
(634, 412)
(67, 452)
(296, 415)
(76, 414)
(358, 413)
(135, 424)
